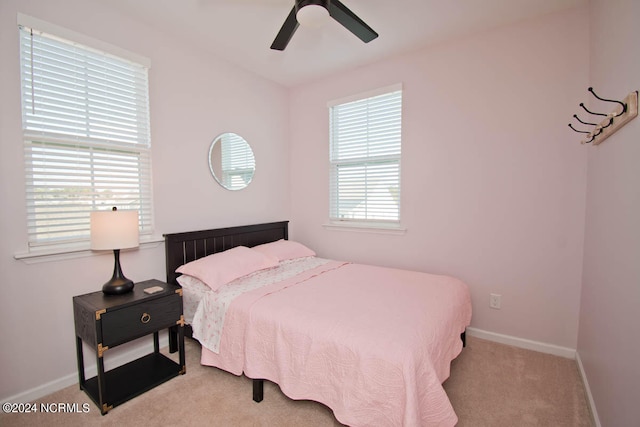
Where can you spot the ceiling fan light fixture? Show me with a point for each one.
(315, 13)
(312, 15)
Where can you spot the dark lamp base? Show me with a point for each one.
(117, 286)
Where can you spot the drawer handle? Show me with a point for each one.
(146, 317)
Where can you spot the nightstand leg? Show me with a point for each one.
(173, 339)
(181, 349)
(80, 356)
(156, 343)
(102, 389)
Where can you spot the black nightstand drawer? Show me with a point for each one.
(128, 323)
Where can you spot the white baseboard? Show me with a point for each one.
(90, 371)
(569, 353)
(43, 390)
(587, 389)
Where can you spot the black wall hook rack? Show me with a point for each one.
(625, 110)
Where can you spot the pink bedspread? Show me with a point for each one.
(374, 344)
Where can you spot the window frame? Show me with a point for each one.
(390, 226)
(140, 152)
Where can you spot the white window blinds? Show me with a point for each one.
(365, 159)
(85, 121)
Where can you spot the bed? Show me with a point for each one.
(373, 344)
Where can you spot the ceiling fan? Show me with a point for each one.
(313, 11)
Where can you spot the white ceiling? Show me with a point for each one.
(241, 31)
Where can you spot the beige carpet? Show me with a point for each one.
(490, 385)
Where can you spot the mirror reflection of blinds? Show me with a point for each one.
(365, 159)
(238, 162)
(85, 121)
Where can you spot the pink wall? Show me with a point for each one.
(493, 181)
(194, 97)
(608, 343)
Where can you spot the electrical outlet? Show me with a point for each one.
(495, 300)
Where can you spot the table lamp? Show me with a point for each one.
(115, 230)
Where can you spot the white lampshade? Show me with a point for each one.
(312, 15)
(114, 229)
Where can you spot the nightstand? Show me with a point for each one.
(106, 321)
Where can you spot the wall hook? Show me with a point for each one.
(598, 126)
(576, 130)
(591, 112)
(591, 134)
(624, 106)
(584, 123)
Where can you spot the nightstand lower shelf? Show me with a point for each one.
(132, 379)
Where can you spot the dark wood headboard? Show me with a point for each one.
(181, 248)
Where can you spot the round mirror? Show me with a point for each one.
(231, 161)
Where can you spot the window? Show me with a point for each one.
(365, 148)
(85, 123)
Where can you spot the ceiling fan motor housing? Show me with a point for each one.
(316, 16)
(302, 3)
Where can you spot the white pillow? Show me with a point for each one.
(192, 283)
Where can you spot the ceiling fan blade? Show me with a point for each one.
(350, 21)
(286, 32)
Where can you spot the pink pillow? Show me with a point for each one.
(223, 267)
(284, 249)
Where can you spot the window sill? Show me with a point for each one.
(70, 252)
(359, 227)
